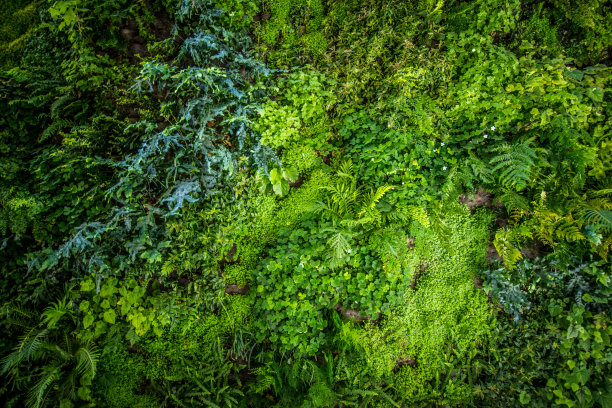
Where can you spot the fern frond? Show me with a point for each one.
(353, 223)
(55, 127)
(599, 203)
(480, 169)
(326, 207)
(339, 244)
(419, 214)
(602, 192)
(36, 396)
(567, 228)
(506, 241)
(373, 198)
(603, 248)
(87, 358)
(263, 383)
(515, 163)
(401, 215)
(53, 313)
(18, 316)
(29, 344)
(513, 200)
(346, 169)
(344, 196)
(600, 219)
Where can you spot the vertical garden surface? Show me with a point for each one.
(305, 203)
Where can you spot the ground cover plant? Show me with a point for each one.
(313, 203)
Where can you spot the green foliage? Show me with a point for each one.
(47, 361)
(327, 261)
(563, 343)
(332, 380)
(254, 203)
(442, 311)
(514, 164)
(18, 20)
(290, 25)
(112, 301)
(299, 116)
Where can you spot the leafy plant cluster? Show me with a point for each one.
(564, 342)
(343, 259)
(316, 203)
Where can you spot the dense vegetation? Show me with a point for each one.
(305, 203)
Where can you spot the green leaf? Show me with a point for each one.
(573, 331)
(275, 176)
(281, 188)
(595, 93)
(88, 321)
(582, 375)
(84, 306)
(290, 174)
(575, 74)
(107, 290)
(109, 316)
(524, 398)
(554, 309)
(87, 285)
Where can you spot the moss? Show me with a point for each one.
(17, 21)
(443, 312)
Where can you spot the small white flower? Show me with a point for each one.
(444, 168)
(402, 183)
(302, 264)
(372, 159)
(348, 251)
(473, 49)
(492, 127)
(435, 151)
(485, 136)
(442, 143)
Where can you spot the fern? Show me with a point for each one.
(36, 396)
(53, 313)
(480, 169)
(370, 201)
(181, 194)
(506, 241)
(567, 229)
(339, 245)
(515, 164)
(87, 357)
(55, 127)
(27, 348)
(264, 379)
(419, 214)
(512, 200)
(600, 219)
